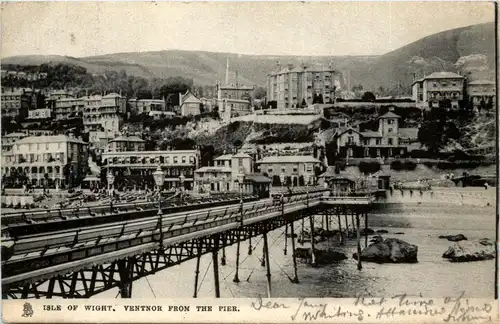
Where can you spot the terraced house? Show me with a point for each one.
(57, 161)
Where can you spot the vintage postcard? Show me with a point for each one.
(257, 162)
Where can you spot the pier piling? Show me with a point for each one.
(358, 241)
(295, 276)
(197, 272)
(215, 261)
(268, 275)
(313, 256)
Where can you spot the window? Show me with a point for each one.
(295, 169)
(389, 130)
(167, 160)
(176, 159)
(269, 170)
(377, 142)
(367, 152)
(191, 159)
(389, 141)
(434, 85)
(454, 83)
(350, 140)
(350, 153)
(240, 163)
(390, 121)
(184, 159)
(283, 169)
(378, 152)
(390, 152)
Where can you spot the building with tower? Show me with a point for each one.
(233, 99)
(389, 140)
(294, 87)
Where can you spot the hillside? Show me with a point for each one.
(435, 52)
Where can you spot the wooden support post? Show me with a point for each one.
(215, 261)
(346, 224)
(268, 275)
(250, 244)
(340, 229)
(223, 259)
(197, 271)
(125, 271)
(236, 278)
(295, 276)
(286, 240)
(358, 241)
(313, 254)
(353, 223)
(263, 260)
(327, 216)
(366, 229)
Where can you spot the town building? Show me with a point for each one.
(9, 139)
(126, 143)
(438, 90)
(145, 106)
(189, 104)
(57, 161)
(40, 114)
(135, 168)
(223, 176)
(15, 104)
(384, 142)
(104, 113)
(482, 93)
(68, 107)
(234, 100)
(294, 87)
(54, 96)
(294, 167)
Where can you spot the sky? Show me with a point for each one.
(82, 29)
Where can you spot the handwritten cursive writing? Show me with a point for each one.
(463, 311)
(311, 312)
(260, 304)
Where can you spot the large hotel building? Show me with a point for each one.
(294, 87)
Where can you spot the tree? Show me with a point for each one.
(259, 93)
(368, 96)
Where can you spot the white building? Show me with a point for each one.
(438, 90)
(54, 161)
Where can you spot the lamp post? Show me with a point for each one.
(282, 180)
(241, 179)
(111, 179)
(159, 178)
(181, 180)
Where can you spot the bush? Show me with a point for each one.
(369, 167)
(403, 165)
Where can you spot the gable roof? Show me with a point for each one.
(224, 157)
(342, 130)
(189, 97)
(443, 75)
(257, 178)
(389, 114)
(127, 139)
(49, 139)
(242, 155)
(371, 134)
(289, 159)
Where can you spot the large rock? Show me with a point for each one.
(390, 250)
(453, 238)
(366, 231)
(322, 256)
(483, 249)
(382, 231)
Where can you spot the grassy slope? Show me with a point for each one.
(440, 50)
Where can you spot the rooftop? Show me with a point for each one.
(289, 159)
(389, 114)
(242, 155)
(49, 139)
(371, 134)
(443, 75)
(127, 139)
(258, 178)
(213, 169)
(408, 133)
(224, 157)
